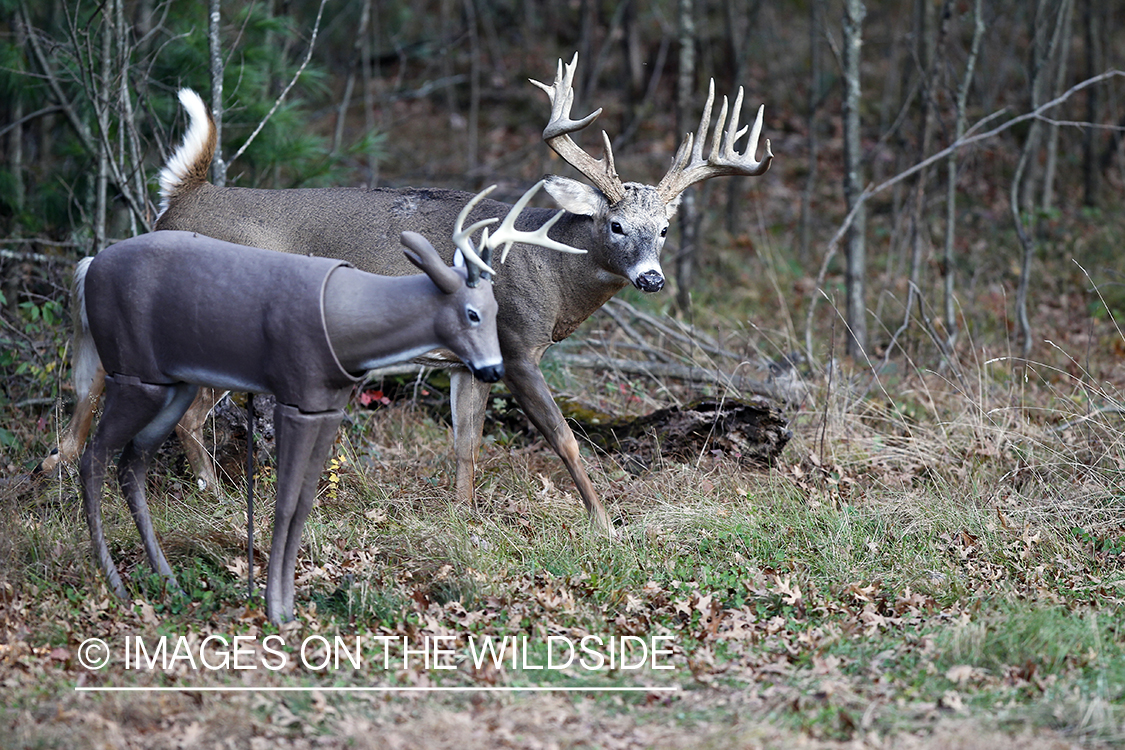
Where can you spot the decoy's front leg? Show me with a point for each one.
(303, 441)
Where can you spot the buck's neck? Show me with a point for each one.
(374, 321)
(569, 288)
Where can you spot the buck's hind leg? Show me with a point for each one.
(132, 470)
(190, 432)
(73, 437)
(303, 441)
(130, 406)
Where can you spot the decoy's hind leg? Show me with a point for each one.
(132, 470)
(130, 406)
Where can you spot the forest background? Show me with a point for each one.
(928, 283)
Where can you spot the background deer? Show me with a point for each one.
(542, 298)
(158, 322)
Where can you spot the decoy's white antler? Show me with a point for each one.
(506, 234)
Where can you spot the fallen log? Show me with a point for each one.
(752, 432)
(781, 393)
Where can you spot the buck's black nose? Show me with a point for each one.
(649, 281)
(488, 374)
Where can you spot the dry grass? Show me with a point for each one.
(927, 567)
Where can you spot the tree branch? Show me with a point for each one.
(960, 143)
(285, 91)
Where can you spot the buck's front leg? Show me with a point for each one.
(530, 389)
(303, 442)
(468, 398)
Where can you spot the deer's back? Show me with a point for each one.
(363, 227)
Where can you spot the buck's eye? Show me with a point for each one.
(616, 227)
(474, 316)
(664, 232)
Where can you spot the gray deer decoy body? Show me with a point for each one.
(158, 321)
(542, 298)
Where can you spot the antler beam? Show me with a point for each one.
(601, 172)
(690, 167)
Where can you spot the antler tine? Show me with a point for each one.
(727, 139)
(561, 122)
(462, 238)
(689, 166)
(691, 149)
(506, 234)
(601, 172)
(705, 122)
(734, 132)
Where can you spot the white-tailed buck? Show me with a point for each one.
(542, 297)
(159, 315)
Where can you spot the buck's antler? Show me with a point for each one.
(506, 234)
(689, 166)
(601, 172)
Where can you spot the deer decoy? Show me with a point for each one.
(161, 314)
(542, 298)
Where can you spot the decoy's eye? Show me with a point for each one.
(474, 316)
(664, 232)
(616, 227)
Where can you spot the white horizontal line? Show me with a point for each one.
(361, 689)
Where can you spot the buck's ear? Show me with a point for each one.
(576, 197)
(421, 253)
(671, 206)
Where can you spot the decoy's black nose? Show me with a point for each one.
(649, 281)
(489, 374)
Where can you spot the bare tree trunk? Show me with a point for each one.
(951, 180)
(587, 24)
(740, 46)
(816, 23)
(127, 129)
(486, 17)
(928, 52)
(856, 311)
(358, 60)
(101, 104)
(471, 155)
(633, 53)
(370, 73)
(15, 138)
(15, 149)
(1091, 22)
(218, 166)
(1067, 21)
(685, 90)
(1019, 189)
(1043, 43)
